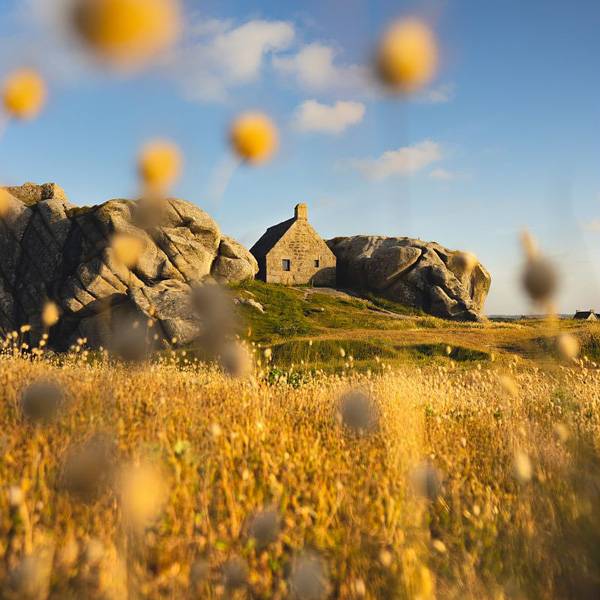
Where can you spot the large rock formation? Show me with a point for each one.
(442, 282)
(51, 250)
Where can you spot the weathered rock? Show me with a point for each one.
(442, 282)
(234, 262)
(53, 250)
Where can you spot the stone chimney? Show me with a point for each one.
(301, 212)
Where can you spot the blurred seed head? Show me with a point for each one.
(131, 340)
(5, 202)
(127, 248)
(235, 573)
(523, 468)
(254, 137)
(94, 552)
(427, 481)
(539, 278)
(530, 246)
(149, 211)
(407, 57)
(508, 385)
(160, 166)
(216, 311)
(265, 527)
(89, 469)
(41, 401)
(309, 580)
(562, 432)
(235, 359)
(358, 412)
(127, 34)
(24, 94)
(143, 491)
(30, 580)
(199, 573)
(50, 314)
(567, 346)
(467, 261)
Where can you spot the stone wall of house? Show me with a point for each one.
(302, 246)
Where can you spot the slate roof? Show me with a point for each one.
(270, 237)
(584, 314)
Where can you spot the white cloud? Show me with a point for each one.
(313, 116)
(441, 175)
(441, 94)
(314, 68)
(218, 57)
(403, 161)
(593, 226)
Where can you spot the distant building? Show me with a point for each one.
(293, 253)
(586, 315)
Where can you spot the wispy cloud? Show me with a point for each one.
(404, 161)
(593, 226)
(314, 67)
(218, 57)
(442, 175)
(314, 116)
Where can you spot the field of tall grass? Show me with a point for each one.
(167, 480)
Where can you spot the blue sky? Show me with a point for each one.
(507, 136)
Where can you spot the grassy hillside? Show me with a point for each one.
(311, 330)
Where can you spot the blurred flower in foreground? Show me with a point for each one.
(540, 279)
(50, 314)
(5, 202)
(254, 137)
(24, 94)
(427, 481)
(235, 359)
(407, 57)
(143, 494)
(522, 466)
(508, 385)
(264, 527)
(131, 339)
(41, 401)
(127, 248)
(89, 469)
(160, 166)
(30, 580)
(357, 412)
(235, 573)
(467, 261)
(309, 580)
(127, 33)
(567, 346)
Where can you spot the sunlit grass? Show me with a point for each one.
(514, 506)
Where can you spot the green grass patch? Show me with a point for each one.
(285, 313)
(386, 304)
(333, 355)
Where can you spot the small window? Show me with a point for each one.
(317, 263)
(286, 264)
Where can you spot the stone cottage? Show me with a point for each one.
(293, 253)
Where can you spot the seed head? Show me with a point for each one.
(126, 34)
(24, 94)
(407, 58)
(254, 137)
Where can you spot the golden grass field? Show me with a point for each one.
(478, 480)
